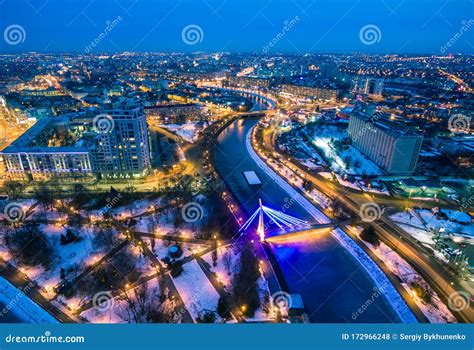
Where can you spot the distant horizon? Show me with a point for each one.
(236, 52)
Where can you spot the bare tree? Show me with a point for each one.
(227, 261)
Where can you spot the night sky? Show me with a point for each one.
(326, 26)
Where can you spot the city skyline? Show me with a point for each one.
(297, 26)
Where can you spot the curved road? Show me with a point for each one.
(429, 268)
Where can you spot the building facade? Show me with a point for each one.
(174, 113)
(315, 93)
(367, 85)
(124, 150)
(393, 149)
(119, 151)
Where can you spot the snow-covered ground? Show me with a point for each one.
(72, 257)
(347, 183)
(326, 175)
(348, 160)
(189, 131)
(376, 187)
(135, 208)
(436, 311)
(197, 292)
(21, 306)
(422, 224)
(323, 201)
(116, 309)
(227, 265)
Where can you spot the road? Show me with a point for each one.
(440, 279)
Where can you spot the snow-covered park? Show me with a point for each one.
(143, 261)
(189, 131)
(343, 158)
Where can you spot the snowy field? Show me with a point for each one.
(227, 265)
(189, 132)
(347, 160)
(196, 290)
(72, 257)
(225, 270)
(422, 224)
(117, 310)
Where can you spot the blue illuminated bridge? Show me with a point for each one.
(286, 223)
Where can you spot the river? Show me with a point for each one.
(332, 284)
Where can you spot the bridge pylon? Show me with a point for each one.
(282, 220)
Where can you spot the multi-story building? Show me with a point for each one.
(174, 113)
(123, 148)
(248, 82)
(367, 85)
(392, 147)
(310, 92)
(113, 144)
(29, 159)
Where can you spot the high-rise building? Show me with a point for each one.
(123, 148)
(367, 85)
(394, 148)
